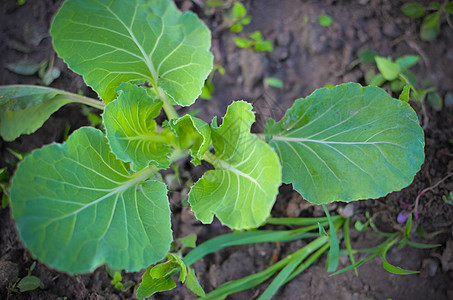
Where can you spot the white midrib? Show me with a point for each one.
(293, 139)
(224, 165)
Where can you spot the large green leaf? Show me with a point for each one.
(113, 41)
(24, 108)
(77, 207)
(242, 189)
(348, 143)
(193, 134)
(132, 131)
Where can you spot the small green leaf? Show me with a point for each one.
(435, 101)
(237, 27)
(408, 228)
(264, 46)
(193, 284)
(24, 67)
(117, 277)
(189, 241)
(407, 61)
(239, 10)
(413, 10)
(367, 56)
(246, 20)
(132, 131)
(388, 68)
(359, 226)
(348, 143)
(84, 209)
(214, 3)
(376, 80)
(150, 285)
(193, 134)
(207, 90)
(449, 8)
(165, 270)
(435, 5)
(26, 102)
(242, 43)
(274, 82)
(242, 189)
(29, 283)
(257, 36)
(325, 20)
(404, 96)
(430, 27)
(397, 85)
(110, 42)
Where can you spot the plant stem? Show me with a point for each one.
(85, 100)
(168, 107)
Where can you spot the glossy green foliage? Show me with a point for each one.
(132, 131)
(83, 208)
(242, 189)
(348, 143)
(110, 42)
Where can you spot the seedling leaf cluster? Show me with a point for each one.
(99, 198)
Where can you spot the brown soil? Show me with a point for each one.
(306, 56)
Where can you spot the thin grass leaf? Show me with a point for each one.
(347, 241)
(248, 237)
(280, 279)
(301, 221)
(354, 266)
(253, 280)
(334, 253)
(422, 246)
(407, 229)
(306, 264)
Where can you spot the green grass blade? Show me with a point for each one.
(247, 237)
(422, 246)
(334, 253)
(253, 280)
(407, 229)
(347, 241)
(288, 270)
(306, 264)
(389, 267)
(300, 221)
(354, 266)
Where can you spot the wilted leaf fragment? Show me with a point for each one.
(242, 189)
(109, 42)
(77, 207)
(348, 143)
(24, 108)
(131, 129)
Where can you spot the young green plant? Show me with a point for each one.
(99, 198)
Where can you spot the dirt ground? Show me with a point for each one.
(306, 56)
